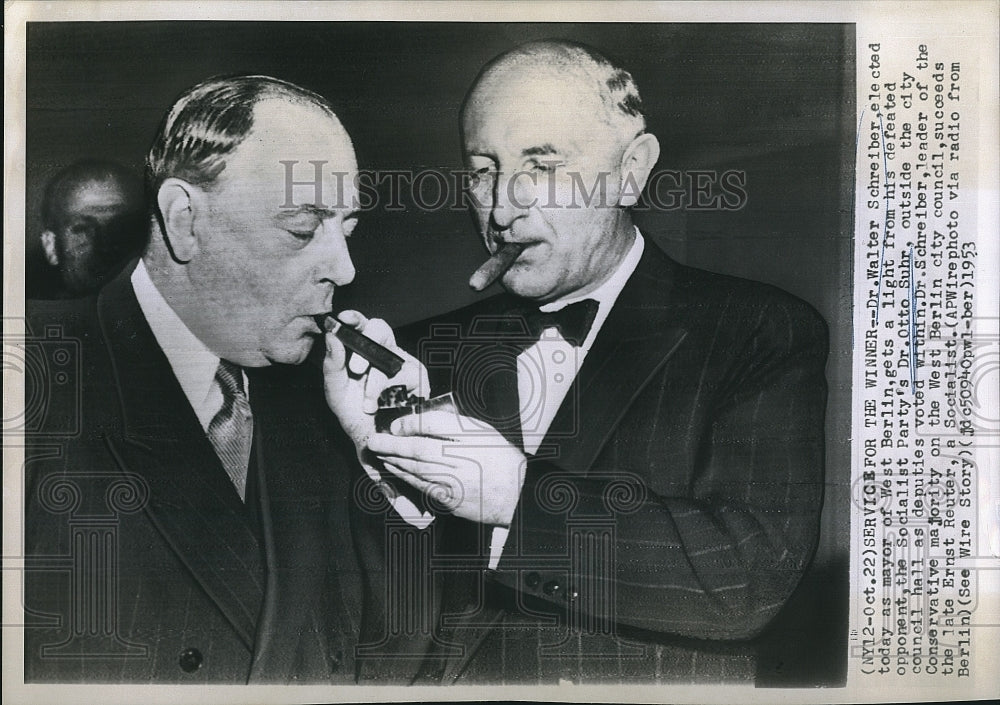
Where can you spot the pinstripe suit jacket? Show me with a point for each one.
(674, 503)
(143, 565)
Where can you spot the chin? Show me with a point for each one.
(527, 287)
(291, 353)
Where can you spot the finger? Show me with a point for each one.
(379, 331)
(424, 471)
(413, 374)
(442, 488)
(427, 450)
(414, 481)
(375, 384)
(440, 424)
(354, 319)
(336, 354)
(424, 380)
(357, 364)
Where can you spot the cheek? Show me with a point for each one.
(284, 286)
(572, 238)
(78, 246)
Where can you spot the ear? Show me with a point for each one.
(637, 163)
(178, 200)
(49, 245)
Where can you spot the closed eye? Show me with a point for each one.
(544, 165)
(303, 229)
(302, 223)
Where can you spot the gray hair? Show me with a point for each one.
(209, 121)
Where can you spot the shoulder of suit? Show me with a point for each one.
(75, 320)
(714, 289)
(741, 309)
(65, 312)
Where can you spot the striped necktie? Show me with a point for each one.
(231, 429)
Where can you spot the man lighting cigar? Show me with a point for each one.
(196, 521)
(638, 460)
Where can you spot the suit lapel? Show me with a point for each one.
(637, 338)
(191, 500)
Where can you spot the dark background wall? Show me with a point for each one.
(774, 101)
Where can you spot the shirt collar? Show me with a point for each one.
(607, 293)
(193, 364)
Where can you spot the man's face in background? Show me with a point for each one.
(546, 172)
(100, 226)
(263, 270)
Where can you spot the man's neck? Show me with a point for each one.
(169, 280)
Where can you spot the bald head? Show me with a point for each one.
(555, 142)
(586, 75)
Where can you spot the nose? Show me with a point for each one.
(336, 264)
(508, 203)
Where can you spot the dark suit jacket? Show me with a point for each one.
(674, 503)
(142, 562)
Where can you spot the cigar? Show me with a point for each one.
(381, 358)
(494, 268)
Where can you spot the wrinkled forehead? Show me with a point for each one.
(292, 145)
(300, 128)
(536, 104)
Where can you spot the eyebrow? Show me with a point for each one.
(321, 213)
(539, 151)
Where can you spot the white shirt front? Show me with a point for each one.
(546, 370)
(193, 364)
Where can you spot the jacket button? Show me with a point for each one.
(532, 579)
(552, 588)
(572, 594)
(190, 660)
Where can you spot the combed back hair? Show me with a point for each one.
(79, 174)
(211, 120)
(614, 85)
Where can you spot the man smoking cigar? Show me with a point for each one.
(197, 519)
(638, 459)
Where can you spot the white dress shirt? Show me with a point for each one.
(193, 364)
(546, 370)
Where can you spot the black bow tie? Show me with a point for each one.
(573, 321)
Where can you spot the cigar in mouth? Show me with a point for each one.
(379, 356)
(494, 268)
